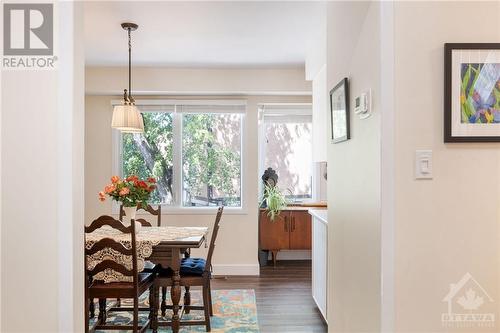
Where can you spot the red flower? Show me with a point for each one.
(133, 178)
(115, 179)
(151, 180)
(142, 184)
(152, 188)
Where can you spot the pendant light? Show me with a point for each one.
(126, 117)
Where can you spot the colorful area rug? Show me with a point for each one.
(235, 311)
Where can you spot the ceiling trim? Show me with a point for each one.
(201, 93)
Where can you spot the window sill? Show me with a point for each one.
(200, 211)
(169, 210)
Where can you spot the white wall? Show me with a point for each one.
(447, 226)
(315, 71)
(396, 243)
(354, 183)
(238, 239)
(198, 81)
(320, 100)
(41, 172)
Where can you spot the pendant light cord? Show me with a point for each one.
(129, 65)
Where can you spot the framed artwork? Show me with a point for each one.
(472, 92)
(339, 112)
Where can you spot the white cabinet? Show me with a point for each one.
(320, 259)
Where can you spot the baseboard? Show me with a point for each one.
(292, 255)
(236, 269)
(320, 310)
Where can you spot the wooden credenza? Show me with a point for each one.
(291, 230)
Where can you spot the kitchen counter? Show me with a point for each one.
(320, 214)
(307, 207)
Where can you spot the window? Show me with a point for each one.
(211, 159)
(151, 154)
(287, 148)
(194, 151)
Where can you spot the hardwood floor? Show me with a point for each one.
(284, 301)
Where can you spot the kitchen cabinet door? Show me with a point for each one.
(274, 235)
(300, 230)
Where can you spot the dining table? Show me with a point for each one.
(163, 246)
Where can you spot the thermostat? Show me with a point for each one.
(362, 105)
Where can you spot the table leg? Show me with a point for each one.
(187, 299)
(175, 293)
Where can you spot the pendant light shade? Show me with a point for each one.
(127, 118)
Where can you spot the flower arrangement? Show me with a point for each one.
(130, 191)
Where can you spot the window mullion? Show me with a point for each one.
(177, 172)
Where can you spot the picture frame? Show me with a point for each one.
(472, 92)
(339, 112)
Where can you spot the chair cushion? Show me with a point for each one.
(192, 266)
(143, 278)
(149, 267)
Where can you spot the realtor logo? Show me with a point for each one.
(28, 35)
(466, 301)
(28, 29)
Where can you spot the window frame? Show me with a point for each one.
(177, 208)
(294, 110)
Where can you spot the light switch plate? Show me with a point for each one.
(423, 164)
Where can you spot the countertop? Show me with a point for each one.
(320, 214)
(304, 207)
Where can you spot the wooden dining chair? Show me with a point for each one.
(155, 212)
(196, 272)
(149, 267)
(141, 282)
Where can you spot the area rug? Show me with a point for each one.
(235, 311)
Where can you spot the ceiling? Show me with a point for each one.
(201, 34)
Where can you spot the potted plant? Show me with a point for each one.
(275, 201)
(131, 192)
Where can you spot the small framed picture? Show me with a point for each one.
(472, 92)
(339, 112)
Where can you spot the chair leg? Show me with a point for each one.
(206, 308)
(91, 308)
(187, 299)
(151, 305)
(87, 315)
(118, 302)
(163, 301)
(154, 313)
(210, 299)
(136, 315)
(102, 310)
